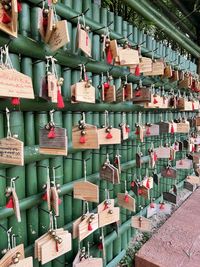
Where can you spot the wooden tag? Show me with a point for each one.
(109, 95)
(16, 205)
(175, 75)
(109, 216)
(163, 127)
(152, 130)
(170, 197)
(184, 104)
(135, 188)
(128, 92)
(97, 262)
(139, 160)
(168, 71)
(83, 92)
(49, 30)
(106, 204)
(197, 121)
(114, 48)
(107, 173)
(184, 164)
(53, 146)
(126, 201)
(52, 84)
(11, 151)
(183, 127)
(86, 191)
(145, 64)
(157, 68)
(48, 249)
(92, 138)
(144, 192)
(156, 102)
(142, 95)
(7, 260)
(149, 181)
(125, 133)
(84, 42)
(163, 152)
(116, 175)
(128, 56)
(169, 173)
(75, 226)
(141, 223)
(59, 36)
(27, 262)
(195, 180)
(116, 137)
(10, 28)
(83, 231)
(55, 200)
(15, 84)
(189, 186)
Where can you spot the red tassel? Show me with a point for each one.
(57, 246)
(126, 198)
(109, 136)
(90, 227)
(148, 131)
(106, 85)
(45, 24)
(162, 206)
(137, 132)
(132, 184)
(116, 162)
(137, 70)
(128, 129)
(193, 148)
(100, 246)
(155, 101)
(170, 158)
(10, 203)
(192, 105)
(44, 196)
(15, 101)
(82, 139)
(59, 201)
(60, 103)
(138, 93)
(148, 184)
(19, 7)
(6, 18)
(155, 156)
(52, 134)
(109, 57)
(139, 192)
(152, 206)
(172, 129)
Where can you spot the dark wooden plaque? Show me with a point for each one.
(138, 160)
(107, 174)
(163, 127)
(142, 95)
(189, 186)
(58, 142)
(169, 173)
(170, 197)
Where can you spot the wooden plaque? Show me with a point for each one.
(59, 36)
(86, 191)
(116, 137)
(107, 173)
(170, 197)
(125, 134)
(169, 173)
(84, 42)
(142, 95)
(195, 180)
(163, 127)
(7, 258)
(189, 186)
(109, 95)
(152, 130)
(120, 95)
(54, 146)
(15, 84)
(101, 207)
(48, 249)
(75, 226)
(148, 180)
(52, 84)
(11, 151)
(83, 231)
(10, 28)
(183, 127)
(114, 48)
(184, 164)
(157, 68)
(128, 56)
(141, 223)
(49, 30)
(92, 139)
(145, 64)
(80, 92)
(126, 201)
(144, 192)
(27, 262)
(163, 152)
(106, 217)
(90, 262)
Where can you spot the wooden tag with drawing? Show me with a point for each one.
(114, 137)
(91, 140)
(50, 26)
(59, 36)
(164, 127)
(141, 223)
(183, 127)
(168, 172)
(27, 262)
(11, 151)
(152, 130)
(56, 145)
(107, 173)
(15, 84)
(86, 191)
(106, 204)
(88, 226)
(126, 201)
(109, 216)
(11, 27)
(83, 92)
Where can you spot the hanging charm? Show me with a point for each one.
(117, 161)
(125, 200)
(83, 41)
(125, 128)
(109, 172)
(108, 91)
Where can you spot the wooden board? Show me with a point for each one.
(49, 30)
(116, 139)
(27, 262)
(6, 261)
(185, 164)
(92, 140)
(15, 84)
(107, 174)
(83, 231)
(75, 227)
(101, 206)
(157, 69)
(83, 41)
(11, 151)
(48, 250)
(167, 196)
(153, 130)
(128, 57)
(195, 180)
(183, 127)
(90, 262)
(80, 92)
(141, 223)
(86, 191)
(142, 95)
(129, 205)
(169, 173)
(110, 95)
(59, 36)
(189, 186)
(163, 152)
(163, 127)
(105, 218)
(145, 64)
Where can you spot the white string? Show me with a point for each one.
(124, 118)
(83, 16)
(8, 237)
(88, 249)
(51, 113)
(107, 158)
(85, 207)
(51, 221)
(106, 118)
(102, 78)
(8, 61)
(55, 222)
(85, 171)
(13, 241)
(9, 135)
(83, 117)
(55, 14)
(125, 186)
(139, 118)
(54, 176)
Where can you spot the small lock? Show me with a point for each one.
(15, 260)
(83, 132)
(52, 232)
(45, 12)
(83, 217)
(107, 202)
(60, 81)
(18, 255)
(121, 124)
(8, 191)
(92, 216)
(88, 83)
(110, 211)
